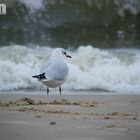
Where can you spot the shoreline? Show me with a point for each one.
(66, 92)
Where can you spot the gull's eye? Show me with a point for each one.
(64, 52)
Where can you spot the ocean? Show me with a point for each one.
(71, 23)
(103, 38)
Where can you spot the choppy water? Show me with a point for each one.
(90, 68)
(104, 23)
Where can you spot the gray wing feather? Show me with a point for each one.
(55, 69)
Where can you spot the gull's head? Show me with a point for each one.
(60, 52)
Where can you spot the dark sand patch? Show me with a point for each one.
(28, 101)
(31, 105)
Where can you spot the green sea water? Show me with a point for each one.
(70, 23)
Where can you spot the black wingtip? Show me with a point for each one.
(34, 76)
(40, 76)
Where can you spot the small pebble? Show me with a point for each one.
(37, 116)
(52, 123)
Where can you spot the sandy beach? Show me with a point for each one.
(69, 117)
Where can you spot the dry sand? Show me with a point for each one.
(69, 117)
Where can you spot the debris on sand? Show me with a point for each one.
(28, 101)
(60, 102)
(52, 123)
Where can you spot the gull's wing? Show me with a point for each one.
(44, 66)
(55, 69)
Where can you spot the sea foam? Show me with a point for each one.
(90, 68)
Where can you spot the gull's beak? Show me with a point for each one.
(68, 56)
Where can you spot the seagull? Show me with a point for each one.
(53, 72)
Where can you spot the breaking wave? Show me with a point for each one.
(90, 68)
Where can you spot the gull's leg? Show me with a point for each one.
(60, 90)
(47, 90)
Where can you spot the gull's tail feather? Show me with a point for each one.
(40, 76)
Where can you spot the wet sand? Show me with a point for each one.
(69, 117)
